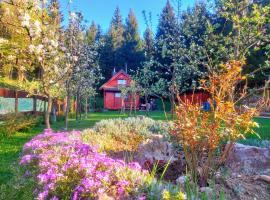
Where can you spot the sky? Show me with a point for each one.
(101, 11)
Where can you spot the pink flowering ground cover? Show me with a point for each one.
(66, 168)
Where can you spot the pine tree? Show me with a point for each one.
(117, 30)
(167, 34)
(111, 46)
(149, 43)
(132, 43)
(167, 49)
(92, 33)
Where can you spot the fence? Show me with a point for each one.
(21, 101)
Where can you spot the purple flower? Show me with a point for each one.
(27, 174)
(134, 165)
(43, 195)
(26, 159)
(142, 197)
(75, 195)
(47, 131)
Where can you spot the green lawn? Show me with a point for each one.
(10, 148)
(264, 129)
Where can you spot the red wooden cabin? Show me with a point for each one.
(113, 99)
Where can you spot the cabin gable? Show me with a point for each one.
(121, 78)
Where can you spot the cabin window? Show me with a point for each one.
(117, 95)
(121, 82)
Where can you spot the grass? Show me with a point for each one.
(10, 148)
(264, 129)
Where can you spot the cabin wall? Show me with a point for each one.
(111, 102)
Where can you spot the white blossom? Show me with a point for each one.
(31, 48)
(11, 57)
(54, 43)
(75, 58)
(73, 16)
(26, 20)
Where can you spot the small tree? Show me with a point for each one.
(202, 132)
(73, 45)
(42, 23)
(86, 75)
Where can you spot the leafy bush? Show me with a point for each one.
(125, 134)
(201, 133)
(140, 125)
(64, 167)
(11, 123)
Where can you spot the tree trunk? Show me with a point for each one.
(53, 112)
(48, 112)
(80, 107)
(172, 101)
(77, 106)
(35, 105)
(131, 106)
(67, 111)
(16, 103)
(86, 107)
(44, 109)
(164, 108)
(146, 102)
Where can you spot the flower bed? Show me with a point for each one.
(66, 168)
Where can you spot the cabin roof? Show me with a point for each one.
(106, 86)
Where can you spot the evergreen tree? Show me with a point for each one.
(92, 33)
(132, 47)
(167, 42)
(149, 43)
(116, 31)
(167, 34)
(111, 46)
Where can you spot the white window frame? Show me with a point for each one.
(117, 95)
(121, 82)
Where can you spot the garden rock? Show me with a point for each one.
(155, 149)
(249, 160)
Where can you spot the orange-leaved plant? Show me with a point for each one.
(202, 133)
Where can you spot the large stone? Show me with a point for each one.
(249, 160)
(156, 149)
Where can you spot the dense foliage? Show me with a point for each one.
(12, 123)
(125, 134)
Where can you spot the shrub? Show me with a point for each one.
(64, 168)
(12, 123)
(124, 134)
(201, 133)
(140, 125)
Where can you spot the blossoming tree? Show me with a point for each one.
(41, 20)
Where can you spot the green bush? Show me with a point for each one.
(12, 123)
(124, 134)
(140, 125)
